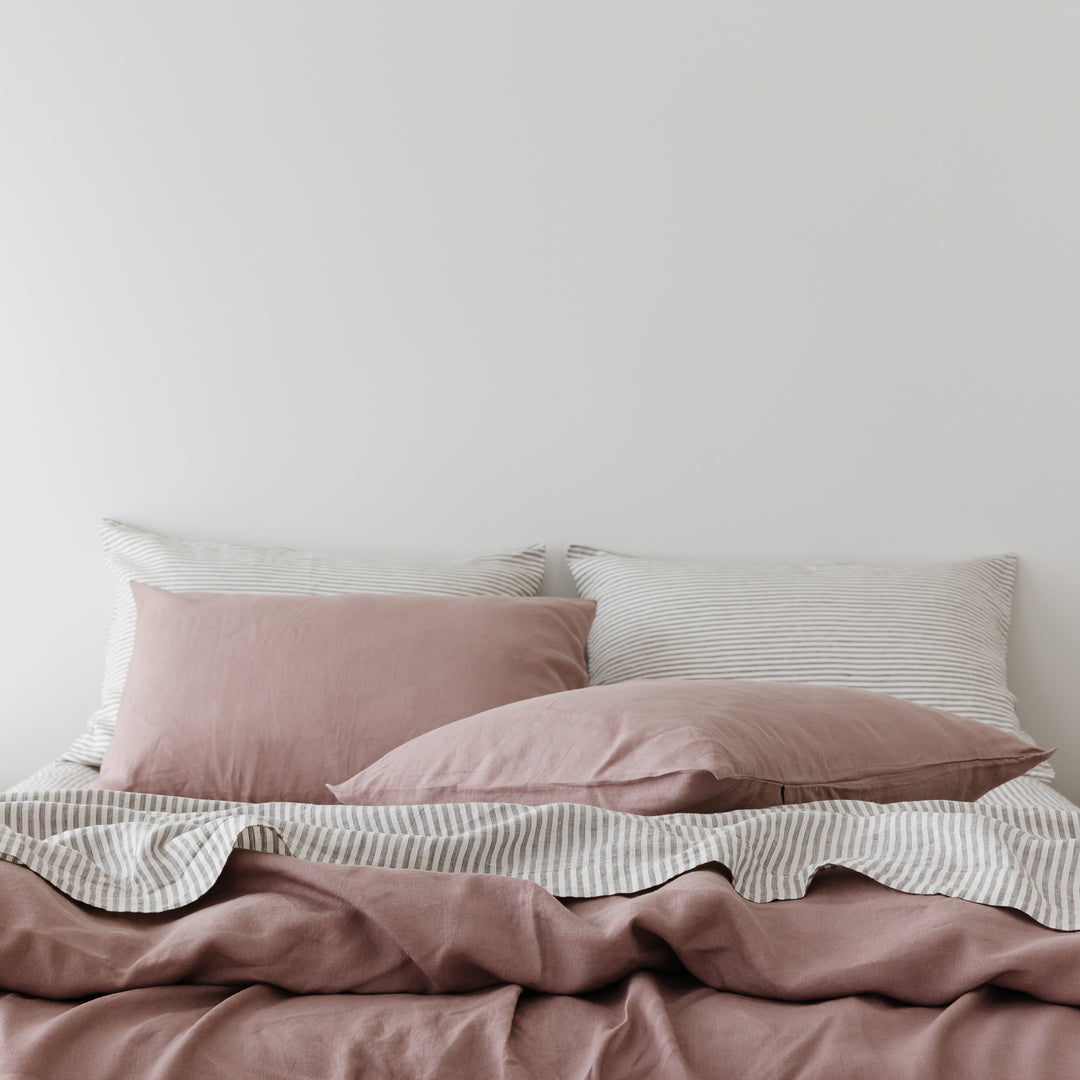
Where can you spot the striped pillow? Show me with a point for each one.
(199, 566)
(934, 634)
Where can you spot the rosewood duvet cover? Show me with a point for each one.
(150, 936)
(708, 820)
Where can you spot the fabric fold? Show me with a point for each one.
(127, 852)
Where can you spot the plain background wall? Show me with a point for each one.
(758, 279)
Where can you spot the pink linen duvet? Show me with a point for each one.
(166, 938)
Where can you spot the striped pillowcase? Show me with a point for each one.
(934, 634)
(199, 566)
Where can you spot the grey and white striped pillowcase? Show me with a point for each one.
(201, 566)
(932, 633)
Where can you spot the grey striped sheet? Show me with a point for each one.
(129, 852)
(59, 775)
(932, 633)
(201, 566)
(1026, 791)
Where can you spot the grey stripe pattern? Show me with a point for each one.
(135, 554)
(932, 633)
(1025, 791)
(58, 775)
(128, 852)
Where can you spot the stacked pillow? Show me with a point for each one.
(265, 674)
(664, 746)
(932, 633)
(135, 554)
(266, 698)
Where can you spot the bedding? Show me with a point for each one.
(181, 565)
(330, 941)
(661, 746)
(255, 698)
(932, 633)
(164, 936)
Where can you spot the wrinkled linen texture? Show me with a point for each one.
(332, 943)
(128, 852)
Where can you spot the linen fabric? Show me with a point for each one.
(665, 746)
(299, 949)
(368, 930)
(932, 633)
(1027, 791)
(645, 1026)
(124, 851)
(57, 775)
(135, 554)
(259, 698)
(299, 971)
(1024, 791)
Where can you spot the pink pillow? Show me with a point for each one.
(260, 698)
(660, 746)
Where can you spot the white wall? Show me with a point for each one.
(776, 279)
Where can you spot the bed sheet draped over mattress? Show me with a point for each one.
(228, 940)
(123, 851)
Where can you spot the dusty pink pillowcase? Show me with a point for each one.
(260, 698)
(661, 746)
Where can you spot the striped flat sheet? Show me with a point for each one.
(129, 852)
(58, 775)
(1027, 791)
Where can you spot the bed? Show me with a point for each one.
(340, 817)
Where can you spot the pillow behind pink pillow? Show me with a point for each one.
(264, 698)
(663, 746)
